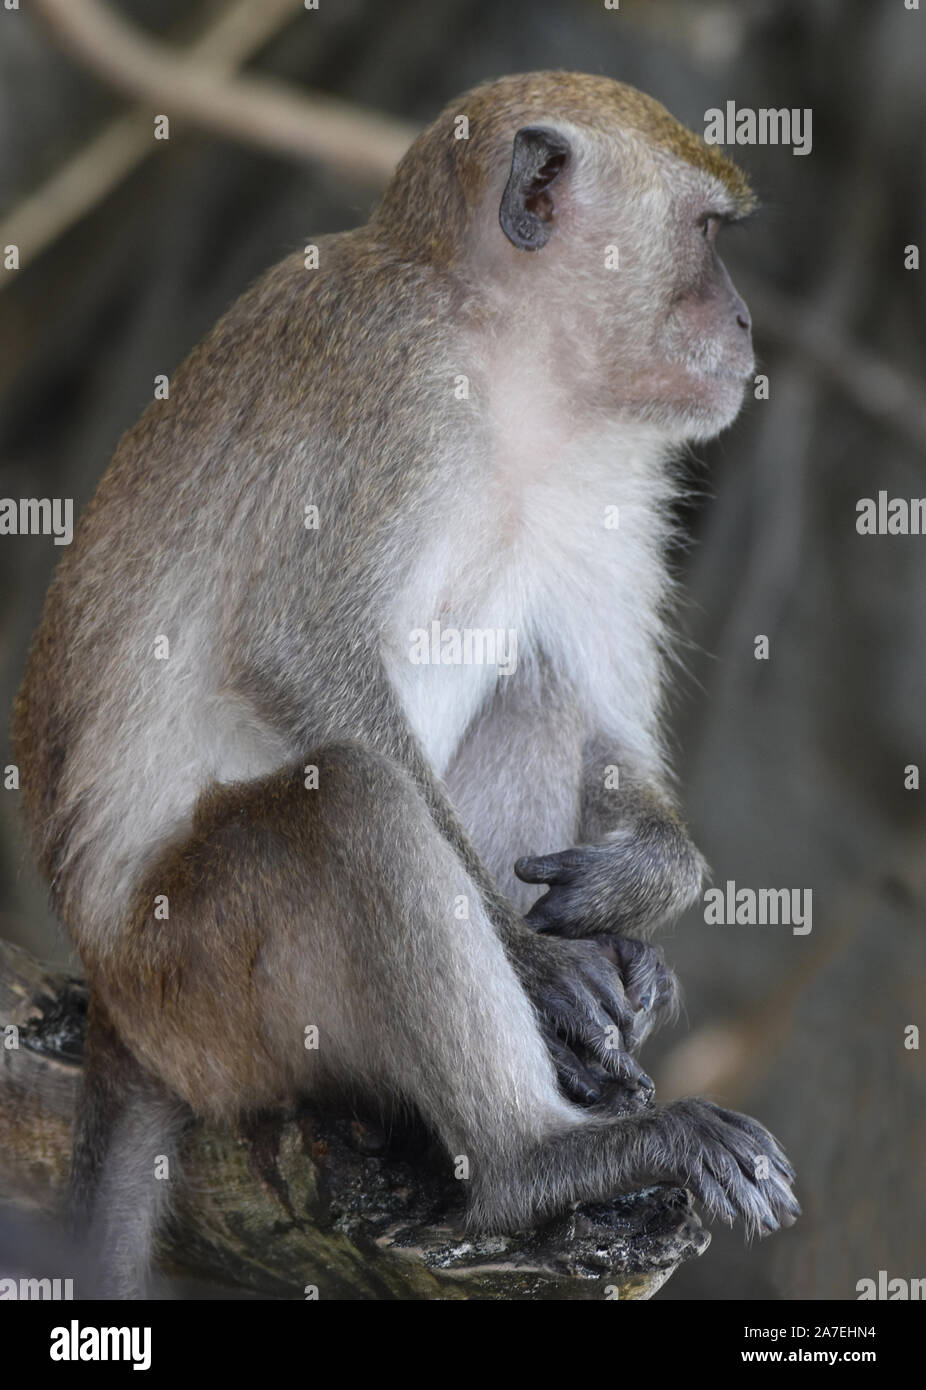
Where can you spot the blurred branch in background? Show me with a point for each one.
(197, 84)
(877, 387)
(730, 1058)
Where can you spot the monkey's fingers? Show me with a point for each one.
(601, 1011)
(579, 998)
(579, 1082)
(548, 913)
(550, 868)
(566, 909)
(627, 1070)
(618, 993)
(600, 1022)
(642, 969)
(651, 988)
(588, 1077)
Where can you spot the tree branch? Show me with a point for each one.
(877, 387)
(302, 1198)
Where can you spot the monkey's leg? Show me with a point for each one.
(343, 909)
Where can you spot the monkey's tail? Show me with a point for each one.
(124, 1163)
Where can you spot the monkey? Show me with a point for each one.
(259, 814)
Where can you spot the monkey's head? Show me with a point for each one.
(586, 218)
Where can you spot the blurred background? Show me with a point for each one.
(792, 769)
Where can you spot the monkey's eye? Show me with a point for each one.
(709, 225)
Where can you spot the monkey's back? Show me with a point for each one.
(197, 534)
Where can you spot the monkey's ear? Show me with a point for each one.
(527, 206)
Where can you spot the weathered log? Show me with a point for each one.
(303, 1200)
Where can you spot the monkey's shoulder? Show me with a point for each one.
(353, 292)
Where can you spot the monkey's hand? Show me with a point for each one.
(640, 875)
(650, 987)
(590, 1019)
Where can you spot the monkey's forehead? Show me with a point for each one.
(602, 106)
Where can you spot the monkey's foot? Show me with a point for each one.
(731, 1163)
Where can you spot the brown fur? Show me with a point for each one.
(429, 227)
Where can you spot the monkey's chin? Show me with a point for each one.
(714, 408)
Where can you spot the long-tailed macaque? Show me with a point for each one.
(345, 712)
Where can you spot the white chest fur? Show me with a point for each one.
(569, 559)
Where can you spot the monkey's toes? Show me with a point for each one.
(740, 1171)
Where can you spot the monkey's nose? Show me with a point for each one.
(744, 321)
